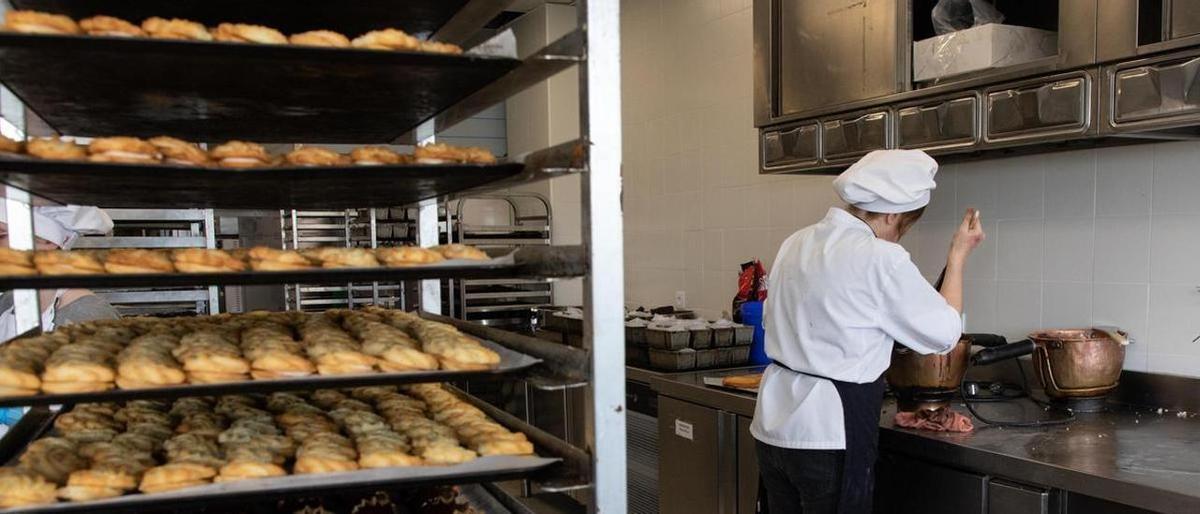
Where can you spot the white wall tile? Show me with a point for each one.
(1068, 249)
(1176, 181)
(932, 241)
(1021, 182)
(1066, 304)
(1070, 184)
(1018, 308)
(979, 305)
(1124, 178)
(1124, 306)
(1175, 319)
(982, 264)
(1182, 365)
(976, 188)
(1122, 249)
(1175, 248)
(1019, 250)
(942, 204)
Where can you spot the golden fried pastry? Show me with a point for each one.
(110, 26)
(438, 47)
(74, 387)
(505, 447)
(446, 454)
(82, 493)
(459, 251)
(401, 256)
(63, 366)
(387, 39)
(124, 150)
(377, 156)
(320, 38)
(240, 154)
(743, 381)
(441, 153)
(54, 458)
(35, 22)
(263, 258)
(10, 145)
(242, 470)
(392, 459)
(204, 260)
(104, 476)
(62, 262)
(20, 487)
(400, 358)
(214, 377)
(343, 257)
(315, 156)
(175, 476)
(175, 29)
(55, 148)
(243, 33)
(134, 260)
(178, 151)
(16, 262)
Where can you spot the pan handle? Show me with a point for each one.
(999, 353)
(986, 340)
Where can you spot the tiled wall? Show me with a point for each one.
(1100, 237)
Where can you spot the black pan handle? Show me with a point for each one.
(999, 353)
(986, 340)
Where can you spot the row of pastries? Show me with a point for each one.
(207, 260)
(234, 154)
(146, 352)
(106, 450)
(37, 22)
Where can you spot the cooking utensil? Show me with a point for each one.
(1071, 363)
(929, 381)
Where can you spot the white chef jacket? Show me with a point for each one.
(838, 297)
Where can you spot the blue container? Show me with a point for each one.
(752, 314)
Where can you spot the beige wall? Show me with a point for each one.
(1091, 237)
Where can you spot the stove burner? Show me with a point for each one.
(980, 391)
(912, 400)
(1092, 404)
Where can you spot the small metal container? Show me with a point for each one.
(668, 339)
(701, 338)
(637, 356)
(635, 335)
(681, 360)
(1078, 363)
(740, 355)
(723, 336)
(725, 356)
(743, 335)
(707, 358)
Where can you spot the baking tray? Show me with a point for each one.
(140, 186)
(216, 91)
(510, 362)
(289, 16)
(716, 382)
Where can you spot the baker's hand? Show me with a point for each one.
(967, 237)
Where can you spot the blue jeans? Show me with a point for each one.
(799, 481)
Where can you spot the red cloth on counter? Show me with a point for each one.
(940, 420)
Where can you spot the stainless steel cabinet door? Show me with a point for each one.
(846, 139)
(831, 52)
(1009, 498)
(1038, 108)
(696, 472)
(790, 146)
(1159, 90)
(906, 485)
(747, 469)
(940, 124)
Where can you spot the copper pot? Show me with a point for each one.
(1078, 363)
(935, 372)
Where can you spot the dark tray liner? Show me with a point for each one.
(511, 362)
(289, 16)
(167, 186)
(216, 91)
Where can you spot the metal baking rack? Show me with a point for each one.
(94, 86)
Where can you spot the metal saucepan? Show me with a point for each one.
(911, 370)
(1071, 363)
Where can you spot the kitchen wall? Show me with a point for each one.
(1091, 237)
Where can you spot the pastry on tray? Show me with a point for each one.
(20, 487)
(64, 262)
(343, 257)
(377, 156)
(460, 251)
(263, 258)
(320, 38)
(402, 256)
(240, 154)
(110, 26)
(175, 29)
(205, 260)
(438, 47)
(178, 151)
(35, 22)
(169, 477)
(130, 150)
(750, 381)
(315, 156)
(244, 33)
(11, 145)
(441, 153)
(55, 148)
(16, 262)
(386, 39)
(133, 260)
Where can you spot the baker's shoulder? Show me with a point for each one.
(889, 254)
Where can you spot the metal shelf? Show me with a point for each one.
(146, 87)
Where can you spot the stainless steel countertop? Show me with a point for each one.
(1135, 457)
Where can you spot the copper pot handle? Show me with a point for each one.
(1114, 333)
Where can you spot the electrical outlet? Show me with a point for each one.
(680, 299)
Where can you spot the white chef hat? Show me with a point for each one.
(888, 181)
(63, 224)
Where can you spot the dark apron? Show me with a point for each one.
(861, 404)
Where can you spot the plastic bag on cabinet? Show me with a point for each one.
(953, 15)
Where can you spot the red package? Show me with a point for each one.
(752, 286)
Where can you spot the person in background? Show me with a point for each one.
(842, 291)
(56, 227)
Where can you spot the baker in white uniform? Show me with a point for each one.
(841, 291)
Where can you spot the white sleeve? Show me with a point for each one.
(913, 313)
